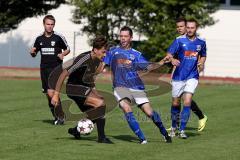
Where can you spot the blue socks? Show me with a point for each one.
(133, 124)
(185, 114)
(157, 121)
(175, 112)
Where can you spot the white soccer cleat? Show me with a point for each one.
(143, 142)
(172, 132)
(183, 135)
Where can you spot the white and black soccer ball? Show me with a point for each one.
(85, 126)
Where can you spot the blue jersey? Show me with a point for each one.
(188, 53)
(124, 65)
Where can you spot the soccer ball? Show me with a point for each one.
(85, 126)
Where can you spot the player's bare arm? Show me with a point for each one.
(62, 77)
(63, 54)
(201, 64)
(100, 68)
(165, 60)
(169, 58)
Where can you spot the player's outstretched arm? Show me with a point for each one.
(62, 77)
(154, 66)
(169, 58)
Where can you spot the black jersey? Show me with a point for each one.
(49, 48)
(83, 70)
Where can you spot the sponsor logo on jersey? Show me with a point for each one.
(47, 51)
(124, 61)
(53, 43)
(198, 48)
(190, 54)
(132, 57)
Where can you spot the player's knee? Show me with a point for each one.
(102, 103)
(99, 103)
(187, 103)
(176, 103)
(126, 109)
(125, 106)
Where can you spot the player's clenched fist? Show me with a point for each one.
(33, 52)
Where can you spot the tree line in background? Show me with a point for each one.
(153, 19)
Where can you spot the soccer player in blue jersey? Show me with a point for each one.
(125, 62)
(176, 103)
(191, 56)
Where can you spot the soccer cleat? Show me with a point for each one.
(202, 123)
(74, 132)
(167, 139)
(183, 135)
(53, 121)
(144, 141)
(172, 132)
(59, 122)
(105, 140)
(169, 129)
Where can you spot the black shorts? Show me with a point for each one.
(77, 90)
(45, 73)
(79, 100)
(78, 93)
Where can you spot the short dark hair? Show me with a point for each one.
(181, 19)
(99, 42)
(126, 28)
(51, 17)
(193, 20)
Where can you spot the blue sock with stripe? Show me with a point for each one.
(133, 124)
(157, 121)
(185, 114)
(175, 112)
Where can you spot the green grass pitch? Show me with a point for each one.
(26, 132)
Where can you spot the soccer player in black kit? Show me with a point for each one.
(53, 47)
(80, 87)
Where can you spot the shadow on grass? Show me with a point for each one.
(83, 138)
(192, 134)
(191, 128)
(127, 138)
(49, 121)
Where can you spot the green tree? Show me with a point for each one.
(104, 16)
(155, 19)
(12, 12)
